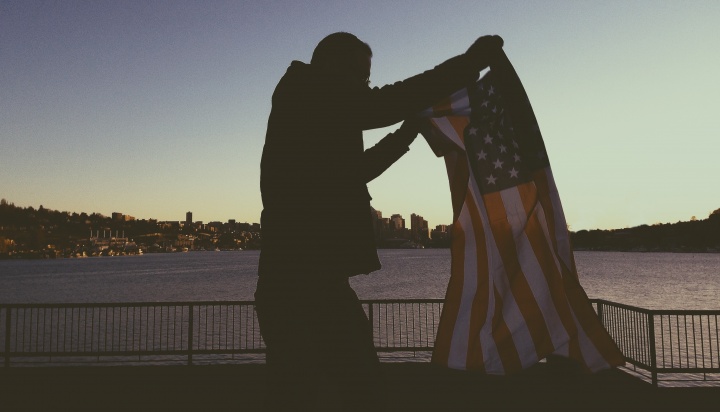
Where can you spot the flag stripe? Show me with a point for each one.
(524, 222)
(459, 344)
(479, 310)
(549, 278)
(544, 180)
(504, 342)
(451, 307)
(510, 311)
(519, 287)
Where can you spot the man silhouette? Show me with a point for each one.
(316, 224)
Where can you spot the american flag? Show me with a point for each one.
(514, 296)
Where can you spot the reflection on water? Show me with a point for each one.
(650, 280)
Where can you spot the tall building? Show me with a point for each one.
(188, 218)
(419, 228)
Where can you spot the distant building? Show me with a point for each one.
(441, 236)
(188, 218)
(419, 228)
(397, 222)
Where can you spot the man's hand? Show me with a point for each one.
(409, 130)
(482, 51)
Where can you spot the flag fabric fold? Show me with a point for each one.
(514, 296)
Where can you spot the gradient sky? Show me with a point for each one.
(156, 108)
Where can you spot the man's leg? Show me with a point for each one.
(350, 357)
(292, 366)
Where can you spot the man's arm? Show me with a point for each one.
(380, 107)
(387, 151)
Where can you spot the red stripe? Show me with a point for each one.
(453, 295)
(503, 338)
(443, 108)
(575, 294)
(544, 254)
(502, 232)
(479, 308)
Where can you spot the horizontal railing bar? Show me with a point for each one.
(430, 300)
(123, 304)
(688, 370)
(622, 306)
(363, 301)
(637, 363)
(94, 354)
(658, 311)
(227, 351)
(137, 353)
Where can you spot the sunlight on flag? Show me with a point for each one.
(514, 296)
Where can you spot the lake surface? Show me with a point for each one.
(649, 280)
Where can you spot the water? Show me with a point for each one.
(649, 280)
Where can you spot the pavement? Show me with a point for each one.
(411, 387)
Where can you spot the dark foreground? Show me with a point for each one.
(412, 387)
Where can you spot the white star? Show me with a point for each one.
(488, 138)
(498, 164)
(472, 131)
(482, 155)
(485, 103)
(515, 143)
(517, 157)
(498, 133)
(503, 149)
(491, 180)
(494, 110)
(513, 173)
(491, 91)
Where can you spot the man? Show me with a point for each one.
(316, 222)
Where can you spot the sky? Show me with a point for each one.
(156, 108)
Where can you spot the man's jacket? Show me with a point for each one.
(316, 217)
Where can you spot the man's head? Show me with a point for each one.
(343, 53)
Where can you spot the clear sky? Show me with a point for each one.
(156, 108)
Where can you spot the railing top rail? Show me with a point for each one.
(689, 312)
(659, 311)
(680, 312)
(620, 305)
(426, 300)
(187, 303)
(125, 304)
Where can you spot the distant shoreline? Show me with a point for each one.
(47, 257)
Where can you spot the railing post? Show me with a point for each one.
(7, 336)
(191, 312)
(370, 318)
(653, 360)
(600, 312)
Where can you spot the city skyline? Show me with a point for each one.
(159, 108)
(120, 216)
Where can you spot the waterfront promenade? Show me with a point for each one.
(411, 386)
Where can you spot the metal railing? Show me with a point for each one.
(654, 342)
(138, 331)
(680, 344)
(128, 330)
